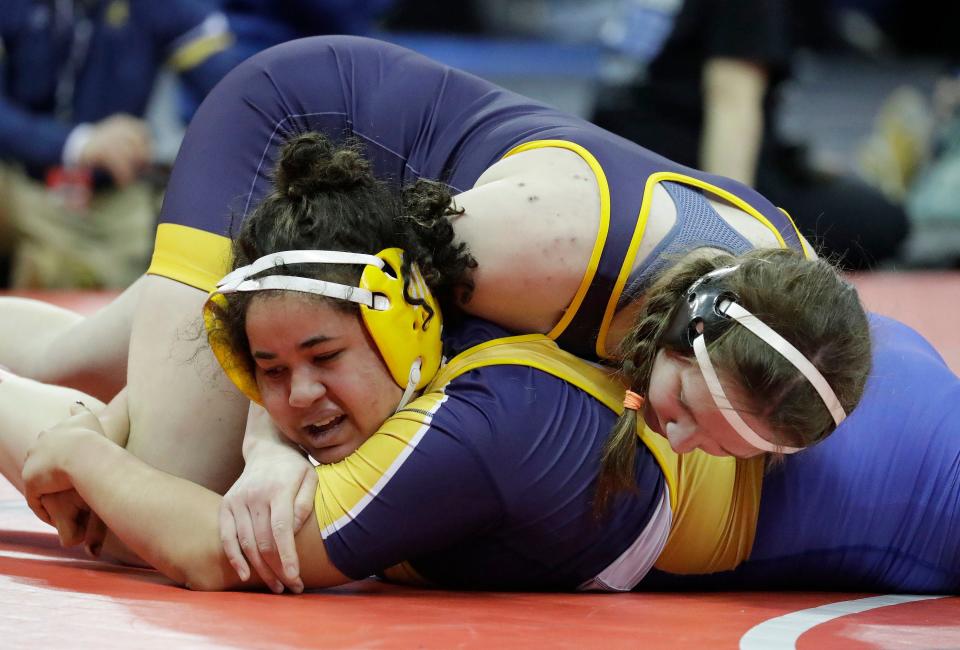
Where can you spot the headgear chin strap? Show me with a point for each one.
(710, 303)
(407, 335)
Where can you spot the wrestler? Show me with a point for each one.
(567, 225)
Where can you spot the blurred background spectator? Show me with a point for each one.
(708, 99)
(76, 197)
(259, 24)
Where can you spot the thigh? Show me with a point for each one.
(28, 407)
(186, 418)
(58, 346)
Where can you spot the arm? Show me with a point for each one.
(35, 140)
(198, 41)
(169, 522)
(733, 92)
(40, 139)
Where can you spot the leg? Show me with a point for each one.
(57, 346)
(104, 244)
(186, 418)
(28, 407)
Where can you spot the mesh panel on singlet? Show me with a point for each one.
(698, 225)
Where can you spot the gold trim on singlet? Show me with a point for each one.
(190, 255)
(640, 229)
(602, 232)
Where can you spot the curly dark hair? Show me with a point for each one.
(326, 197)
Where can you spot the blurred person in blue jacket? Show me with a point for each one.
(76, 77)
(259, 24)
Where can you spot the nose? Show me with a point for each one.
(305, 388)
(682, 436)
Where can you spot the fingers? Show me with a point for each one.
(96, 532)
(281, 529)
(121, 145)
(81, 415)
(231, 547)
(35, 503)
(269, 526)
(303, 504)
(248, 545)
(68, 518)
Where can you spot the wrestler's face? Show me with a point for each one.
(319, 373)
(680, 408)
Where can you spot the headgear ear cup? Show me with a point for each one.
(234, 364)
(404, 332)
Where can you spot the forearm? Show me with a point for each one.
(261, 436)
(169, 522)
(733, 118)
(30, 139)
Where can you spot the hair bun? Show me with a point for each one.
(311, 164)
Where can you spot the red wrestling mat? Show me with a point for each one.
(929, 302)
(55, 598)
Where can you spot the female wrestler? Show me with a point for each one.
(567, 224)
(329, 373)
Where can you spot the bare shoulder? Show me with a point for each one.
(530, 221)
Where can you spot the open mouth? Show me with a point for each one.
(319, 430)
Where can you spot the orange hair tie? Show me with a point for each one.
(633, 401)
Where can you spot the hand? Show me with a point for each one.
(119, 144)
(48, 486)
(74, 521)
(265, 508)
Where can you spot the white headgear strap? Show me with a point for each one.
(788, 351)
(241, 279)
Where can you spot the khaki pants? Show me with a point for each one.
(106, 245)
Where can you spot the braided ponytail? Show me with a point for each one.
(638, 350)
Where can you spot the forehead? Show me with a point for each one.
(276, 313)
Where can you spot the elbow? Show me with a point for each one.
(203, 572)
(203, 581)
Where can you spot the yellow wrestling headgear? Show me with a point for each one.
(406, 335)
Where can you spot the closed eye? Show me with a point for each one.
(323, 358)
(274, 372)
